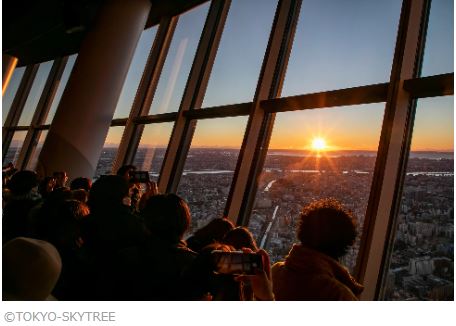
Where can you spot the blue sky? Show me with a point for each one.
(338, 44)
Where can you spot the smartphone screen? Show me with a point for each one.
(141, 176)
(237, 262)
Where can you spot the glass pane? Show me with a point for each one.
(135, 73)
(10, 92)
(313, 155)
(240, 55)
(342, 44)
(15, 148)
(109, 152)
(179, 61)
(34, 159)
(63, 81)
(35, 93)
(210, 166)
(439, 50)
(152, 148)
(421, 264)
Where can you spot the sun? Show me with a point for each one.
(319, 144)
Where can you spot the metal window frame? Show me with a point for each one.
(400, 95)
(17, 107)
(145, 92)
(193, 96)
(393, 149)
(41, 112)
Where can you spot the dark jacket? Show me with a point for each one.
(165, 263)
(307, 274)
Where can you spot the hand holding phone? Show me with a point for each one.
(237, 262)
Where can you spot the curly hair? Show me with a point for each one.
(326, 226)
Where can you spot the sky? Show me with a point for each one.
(338, 44)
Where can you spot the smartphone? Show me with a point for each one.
(236, 262)
(140, 176)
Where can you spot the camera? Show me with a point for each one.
(140, 176)
(236, 262)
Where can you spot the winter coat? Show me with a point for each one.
(307, 274)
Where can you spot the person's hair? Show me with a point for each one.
(107, 191)
(123, 169)
(326, 226)
(23, 182)
(42, 187)
(240, 237)
(31, 269)
(80, 194)
(167, 216)
(213, 231)
(81, 183)
(58, 174)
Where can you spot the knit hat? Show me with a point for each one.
(31, 269)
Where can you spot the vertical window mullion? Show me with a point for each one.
(145, 93)
(260, 124)
(395, 136)
(41, 111)
(193, 96)
(17, 106)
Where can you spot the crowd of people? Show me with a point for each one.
(117, 240)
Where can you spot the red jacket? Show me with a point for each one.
(307, 274)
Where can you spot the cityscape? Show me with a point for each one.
(422, 260)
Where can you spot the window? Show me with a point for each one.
(35, 93)
(63, 81)
(312, 155)
(15, 147)
(108, 154)
(10, 92)
(152, 148)
(135, 71)
(421, 263)
(240, 54)
(209, 167)
(179, 61)
(340, 44)
(34, 159)
(439, 50)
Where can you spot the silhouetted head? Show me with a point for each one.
(167, 216)
(64, 223)
(81, 183)
(31, 269)
(240, 237)
(46, 186)
(326, 226)
(212, 232)
(61, 178)
(23, 182)
(215, 230)
(126, 171)
(108, 192)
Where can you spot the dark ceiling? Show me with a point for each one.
(40, 30)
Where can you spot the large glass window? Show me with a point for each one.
(109, 152)
(315, 154)
(10, 92)
(39, 146)
(179, 61)
(15, 147)
(63, 81)
(35, 93)
(237, 65)
(209, 167)
(439, 50)
(135, 73)
(342, 44)
(422, 261)
(152, 148)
